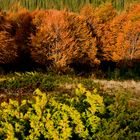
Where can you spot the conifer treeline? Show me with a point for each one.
(72, 5)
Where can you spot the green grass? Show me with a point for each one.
(14, 84)
(46, 81)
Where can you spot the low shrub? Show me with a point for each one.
(46, 117)
(67, 114)
(121, 119)
(29, 80)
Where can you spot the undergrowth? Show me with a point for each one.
(79, 115)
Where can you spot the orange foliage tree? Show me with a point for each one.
(21, 21)
(4, 22)
(122, 39)
(113, 40)
(8, 48)
(118, 34)
(132, 33)
(61, 39)
(64, 39)
(99, 20)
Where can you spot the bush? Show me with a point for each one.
(46, 117)
(67, 115)
(30, 81)
(121, 119)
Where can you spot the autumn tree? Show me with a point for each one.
(8, 47)
(132, 33)
(21, 20)
(99, 20)
(118, 34)
(61, 39)
(124, 36)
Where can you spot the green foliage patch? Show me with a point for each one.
(45, 117)
(79, 115)
(30, 80)
(121, 119)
